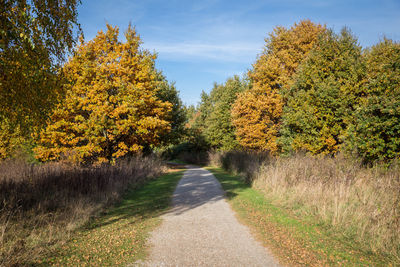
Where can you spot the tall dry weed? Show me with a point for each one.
(364, 203)
(41, 205)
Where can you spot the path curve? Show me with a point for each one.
(201, 229)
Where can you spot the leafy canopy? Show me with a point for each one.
(322, 99)
(111, 107)
(375, 133)
(211, 121)
(34, 38)
(257, 113)
(167, 92)
(219, 130)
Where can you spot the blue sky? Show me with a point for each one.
(206, 41)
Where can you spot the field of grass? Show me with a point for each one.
(118, 236)
(42, 205)
(294, 240)
(362, 202)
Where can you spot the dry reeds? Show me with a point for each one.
(40, 205)
(361, 202)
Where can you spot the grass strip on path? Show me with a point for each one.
(118, 237)
(294, 241)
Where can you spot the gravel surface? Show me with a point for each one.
(201, 229)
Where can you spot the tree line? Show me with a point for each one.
(105, 102)
(310, 90)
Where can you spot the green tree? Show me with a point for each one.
(219, 130)
(190, 114)
(375, 134)
(321, 102)
(203, 112)
(211, 122)
(194, 138)
(34, 38)
(167, 92)
(111, 107)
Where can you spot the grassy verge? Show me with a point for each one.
(294, 241)
(118, 236)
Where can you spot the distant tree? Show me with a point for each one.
(190, 113)
(211, 120)
(111, 107)
(167, 92)
(375, 134)
(194, 138)
(219, 130)
(34, 39)
(257, 112)
(322, 99)
(203, 112)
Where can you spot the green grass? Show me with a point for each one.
(118, 236)
(293, 240)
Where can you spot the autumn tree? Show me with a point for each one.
(257, 112)
(34, 38)
(375, 133)
(111, 107)
(257, 118)
(10, 137)
(322, 99)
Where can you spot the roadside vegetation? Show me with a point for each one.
(117, 237)
(43, 205)
(78, 132)
(357, 207)
(296, 237)
(314, 127)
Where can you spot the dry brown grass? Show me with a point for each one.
(362, 203)
(242, 163)
(41, 205)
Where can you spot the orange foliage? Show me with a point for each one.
(111, 109)
(257, 112)
(254, 118)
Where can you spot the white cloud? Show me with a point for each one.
(228, 52)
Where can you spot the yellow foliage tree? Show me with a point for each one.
(111, 109)
(34, 39)
(257, 112)
(255, 117)
(11, 138)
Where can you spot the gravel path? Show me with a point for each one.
(202, 230)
